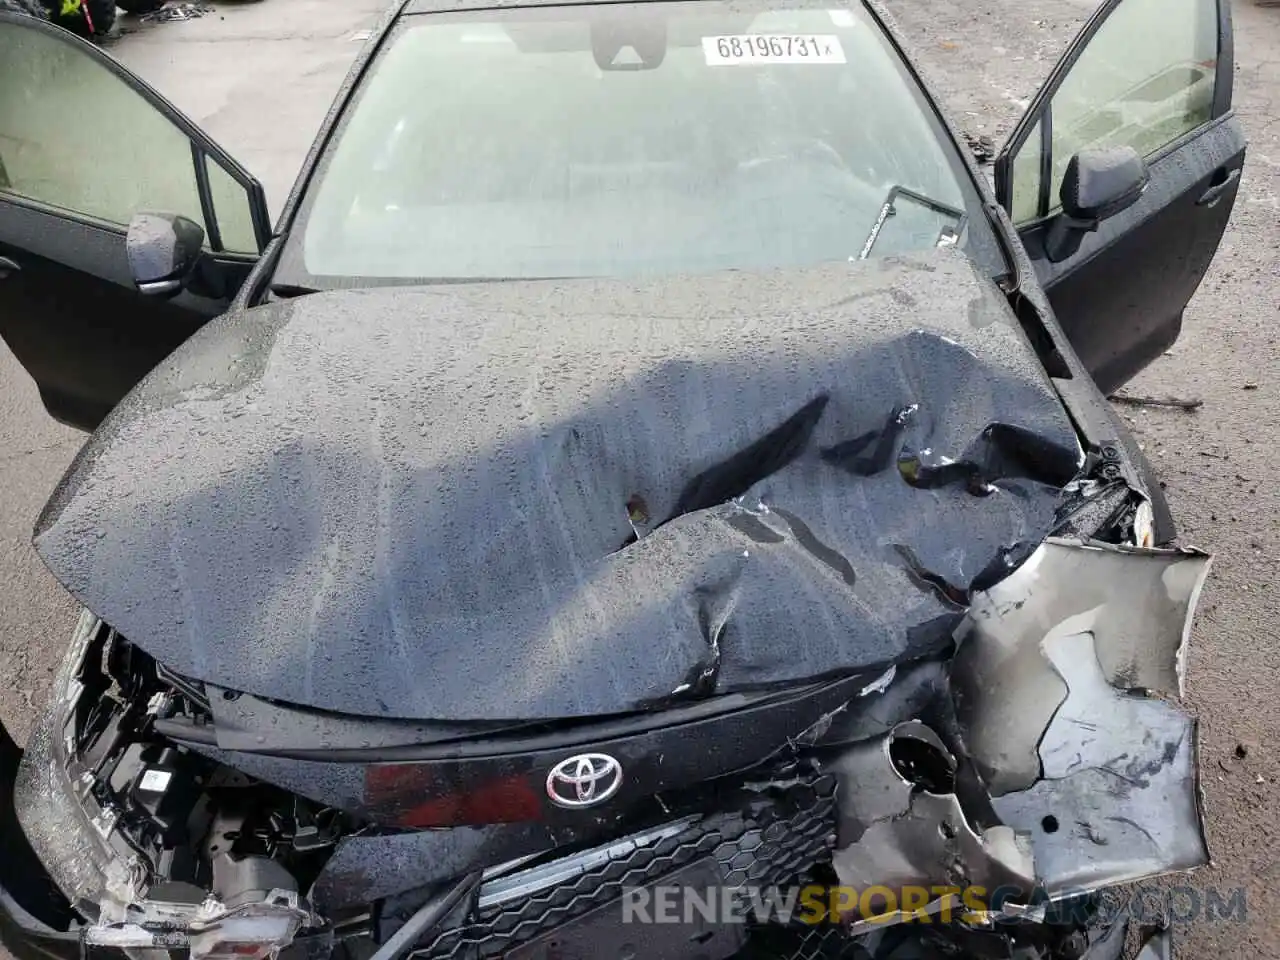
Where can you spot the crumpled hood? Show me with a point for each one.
(559, 499)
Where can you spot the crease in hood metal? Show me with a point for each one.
(569, 499)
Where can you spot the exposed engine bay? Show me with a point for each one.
(1043, 761)
(196, 854)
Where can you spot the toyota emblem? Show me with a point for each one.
(584, 780)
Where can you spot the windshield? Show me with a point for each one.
(621, 140)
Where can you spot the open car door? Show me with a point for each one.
(1138, 114)
(85, 147)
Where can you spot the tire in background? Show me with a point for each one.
(102, 14)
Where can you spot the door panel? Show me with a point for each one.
(1154, 75)
(1120, 299)
(84, 146)
(84, 334)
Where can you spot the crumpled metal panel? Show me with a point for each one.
(902, 824)
(1118, 799)
(1061, 697)
(421, 503)
(1137, 604)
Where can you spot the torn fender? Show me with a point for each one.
(1136, 603)
(1064, 690)
(902, 825)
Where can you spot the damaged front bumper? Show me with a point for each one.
(209, 928)
(98, 892)
(1061, 763)
(37, 923)
(1045, 760)
(34, 921)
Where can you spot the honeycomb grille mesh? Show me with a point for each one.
(774, 839)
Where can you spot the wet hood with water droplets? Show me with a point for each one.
(564, 499)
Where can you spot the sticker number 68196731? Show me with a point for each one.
(772, 48)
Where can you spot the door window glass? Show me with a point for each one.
(1026, 178)
(76, 136)
(1145, 78)
(232, 211)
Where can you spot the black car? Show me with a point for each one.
(646, 496)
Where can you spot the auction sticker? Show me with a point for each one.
(756, 48)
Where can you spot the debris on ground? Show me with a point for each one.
(173, 12)
(982, 147)
(1189, 405)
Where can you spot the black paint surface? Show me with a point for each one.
(558, 499)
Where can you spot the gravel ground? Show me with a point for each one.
(986, 58)
(1218, 463)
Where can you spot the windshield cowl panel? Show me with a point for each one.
(628, 140)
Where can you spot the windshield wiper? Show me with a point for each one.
(288, 291)
(947, 238)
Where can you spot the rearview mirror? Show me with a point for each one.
(1099, 182)
(163, 252)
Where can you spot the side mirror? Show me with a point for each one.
(163, 252)
(1099, 182)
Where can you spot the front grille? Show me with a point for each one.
(774, 838)
(799, 942)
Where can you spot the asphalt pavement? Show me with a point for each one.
(259, 78)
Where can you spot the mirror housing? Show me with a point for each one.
(163, 251)
(1102, 181)
(1099, 182)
